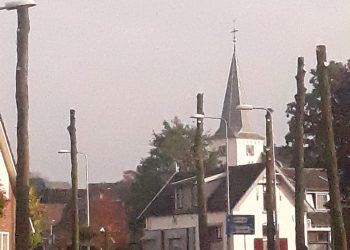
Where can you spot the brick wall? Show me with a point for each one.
(7, 221)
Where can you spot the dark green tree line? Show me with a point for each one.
(174, 143)
(314, 137)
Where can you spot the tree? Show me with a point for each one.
(36, 212)
(202, 201)
(299, 158)
(2, 202)
(173, 144)
(314, 135)
(74, 176)
(22, 179)
(329, 153)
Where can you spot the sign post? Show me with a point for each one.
(241, 225)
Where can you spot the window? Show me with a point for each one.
(264, 197)
(194, 196)
(4, 241)
(178, 198)
(317, 236)
(5, 186)
(222, 150)
(321, 200)
(249, 150)
(215, 233)
(264, 230)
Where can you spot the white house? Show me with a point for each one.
(172, 219)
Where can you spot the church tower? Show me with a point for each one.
(245, 146)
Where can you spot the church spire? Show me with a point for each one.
(236, 119)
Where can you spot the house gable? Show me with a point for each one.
(8, 184)
(8, 171)
(241, 179)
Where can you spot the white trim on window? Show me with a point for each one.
(5, 246)
(178, 198)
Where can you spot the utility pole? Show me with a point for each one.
(269, 184)
(202, 202)
(22, 180)
(74, 175)
(299, 158)
(330, 157)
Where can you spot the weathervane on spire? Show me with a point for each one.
(234, 31)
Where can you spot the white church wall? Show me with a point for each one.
(232, 145)
(249, 151)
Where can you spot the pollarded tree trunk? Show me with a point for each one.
(330, 157)
(299, 158)
(202, 202)
(74, 175)
(270, 199)
(22, 181)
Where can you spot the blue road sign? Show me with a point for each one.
(240, 224)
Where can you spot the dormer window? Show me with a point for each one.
(321, 200)
(318, 200)
(178, 198)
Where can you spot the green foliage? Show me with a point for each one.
(86, 233)
(2, 201)
(36, 213)
(174, 144)
(314, 132)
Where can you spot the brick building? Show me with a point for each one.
(7, 182)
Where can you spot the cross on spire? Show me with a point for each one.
(234, 31)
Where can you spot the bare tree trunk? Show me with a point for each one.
(202, 202)
(22, 181)
(299, 158)
(269, 184)
(74, 175)
(338, 230)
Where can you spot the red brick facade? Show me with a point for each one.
(7, 221)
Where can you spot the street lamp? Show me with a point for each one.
(201, 116)
(104, 233)
(51, 232)
(271, 210)
(65, 151)
(15, 4)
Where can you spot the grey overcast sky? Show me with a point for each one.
(127, 65)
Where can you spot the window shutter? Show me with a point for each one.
(259, 244)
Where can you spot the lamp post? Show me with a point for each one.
(271, 209)
(228, 232)
(51, 232)
(22, 166)
(104, 233)
(65, 151)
